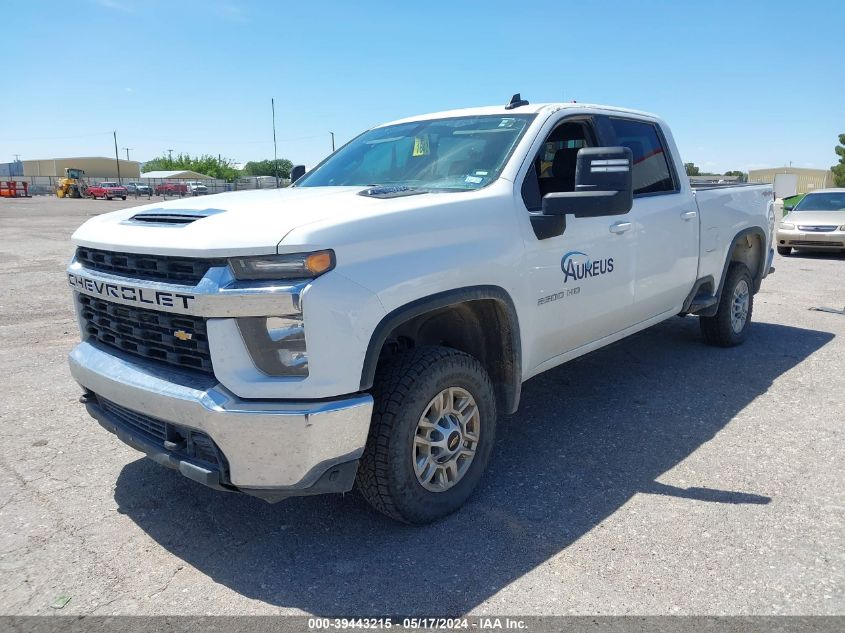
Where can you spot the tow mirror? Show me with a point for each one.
(603, 185)
(296, 173)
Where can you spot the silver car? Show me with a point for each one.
(817, 221)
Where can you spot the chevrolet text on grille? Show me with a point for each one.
(130, 293)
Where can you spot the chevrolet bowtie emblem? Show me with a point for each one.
(182, 335)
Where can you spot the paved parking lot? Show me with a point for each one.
(657, 476)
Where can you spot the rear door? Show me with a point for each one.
(665, 215)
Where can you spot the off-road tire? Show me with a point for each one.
(785, 251)
(404, 386)
(717, 330)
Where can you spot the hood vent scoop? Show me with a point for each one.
(171, 217)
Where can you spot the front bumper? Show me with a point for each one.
(270, 449)
(797, 238)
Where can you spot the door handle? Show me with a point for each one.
(620, 227)
(689, 215)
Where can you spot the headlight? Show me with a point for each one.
(292, 266)
(787, 225)
(842, 228)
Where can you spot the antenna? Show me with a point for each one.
(515, 102)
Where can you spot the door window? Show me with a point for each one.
(651, 167)
(553, 169)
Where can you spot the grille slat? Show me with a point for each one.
(814, 243)
(818, 228)
(197, 445)
(179, 270)
(148, 333)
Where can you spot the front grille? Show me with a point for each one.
(188, 442)
(178, 270)
(817, 228)
(148, 333)
(149, 427)
(814, 243)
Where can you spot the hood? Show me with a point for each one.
(815, 218)
(237, 223)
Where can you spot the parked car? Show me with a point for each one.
(171, 189)
(197, 189)
(342, 332)
(138, 188)
(817, 221)
(107, 190)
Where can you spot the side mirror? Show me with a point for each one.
(788, 207)
(603, 185)
(296, 173)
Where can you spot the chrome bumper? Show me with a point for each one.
(279, 448)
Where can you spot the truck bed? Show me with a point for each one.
(724, 211)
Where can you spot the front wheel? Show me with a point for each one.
(431, 434)
(730, 325)
(785, 251)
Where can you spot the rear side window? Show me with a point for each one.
(651, 165)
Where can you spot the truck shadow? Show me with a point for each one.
(588, 437)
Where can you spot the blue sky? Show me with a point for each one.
(743, 84)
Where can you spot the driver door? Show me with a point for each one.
(581, 282)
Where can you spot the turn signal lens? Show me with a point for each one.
(290, 266)
(787, 225)
(319, 262)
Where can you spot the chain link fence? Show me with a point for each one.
(46, 185)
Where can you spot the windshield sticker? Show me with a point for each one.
(507, 122)
(473, 179)
(478, 172)
(421, 147)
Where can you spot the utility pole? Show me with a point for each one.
(127, 151)
(332, 133)
(170, 157)
(116, 157)
(275, 153)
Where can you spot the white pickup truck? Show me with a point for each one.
(369, 324)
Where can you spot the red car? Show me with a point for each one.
(107, 190)
(171, 189)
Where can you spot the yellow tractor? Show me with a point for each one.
(72, 185)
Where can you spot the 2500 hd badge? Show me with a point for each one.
(130, 293)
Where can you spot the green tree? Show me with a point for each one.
(839, 170)
(222, 168)
(692, 170)
(268, 168)
(743, 177)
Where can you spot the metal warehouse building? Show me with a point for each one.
(808, 179)
(93, 166)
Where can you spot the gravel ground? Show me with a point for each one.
(657, 476)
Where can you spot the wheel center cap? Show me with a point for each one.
(453, 441)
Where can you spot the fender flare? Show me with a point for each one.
(437, 301)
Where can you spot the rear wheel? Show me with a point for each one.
(431, 434)
(730, 325)
(785, 251)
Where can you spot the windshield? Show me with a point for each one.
(438, 155)
(834, 201)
